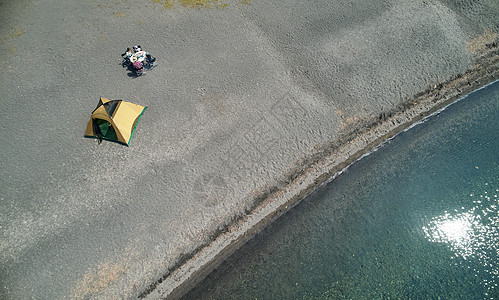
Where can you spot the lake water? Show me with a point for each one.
(416, 219)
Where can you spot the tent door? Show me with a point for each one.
(106, 130)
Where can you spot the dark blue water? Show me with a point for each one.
(416, 219)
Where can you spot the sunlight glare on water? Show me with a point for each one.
(456, 230)
(472, 233)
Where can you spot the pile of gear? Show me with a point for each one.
(137, 59)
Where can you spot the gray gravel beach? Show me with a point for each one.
(252, 105)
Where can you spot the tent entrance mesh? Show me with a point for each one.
(111, 106)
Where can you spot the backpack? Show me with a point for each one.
(138, 66)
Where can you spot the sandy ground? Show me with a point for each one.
(246, 100)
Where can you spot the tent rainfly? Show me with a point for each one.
(114, 120)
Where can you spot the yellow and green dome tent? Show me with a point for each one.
(114, 120)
